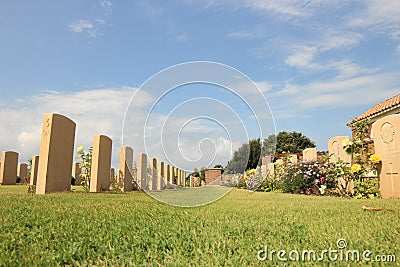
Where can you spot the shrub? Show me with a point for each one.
(86, 165)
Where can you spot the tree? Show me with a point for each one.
(220, 167)
(239, 161)
(255, 154)
(249, 155)
(195, 173)
(203, 174)
(292, 142)
(269, 145)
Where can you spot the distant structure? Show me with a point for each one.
(213, 176)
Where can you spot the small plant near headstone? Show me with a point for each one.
(365, 164)
(115, 186)
(86, 164)
(31, 189)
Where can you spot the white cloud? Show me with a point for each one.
(102, 111)
(95, 112)
(378, 13)
(294, 99)
(182, 38)
(287, 8)
(105, 4)
(92, 27)
(302, 57)
(85, 26)
(379, 17)
(80, 25)
(348, 69)
(244, 34)
(342, 40)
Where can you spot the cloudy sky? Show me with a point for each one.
(318, 63)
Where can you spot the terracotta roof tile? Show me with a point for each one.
(387, 104)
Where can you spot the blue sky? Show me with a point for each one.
(318, 63)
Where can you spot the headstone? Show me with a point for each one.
(190, 181)
(56, 154)
(22, 171)
(310, 154)
(142, 171)
(264, 169)
(112, 175)
(336, 151)
(174, 175)
(344, 186)
(153, 174)
(293, 159)
(271, 170)
(265, 160)
(171, 174)
(8, 171)
(125, 168)
(166, 173)
(179, 174)
(386, 135)
(101, 164)
(34, 170)
(196, 181)
(184, 178)
(160, 175)
(76, 173)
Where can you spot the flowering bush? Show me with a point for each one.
(310, 178)
(365, 164)
(254, 180)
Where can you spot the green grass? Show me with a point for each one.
(80, 229)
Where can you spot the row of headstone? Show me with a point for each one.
(159, 176)
(10, 170)
(51, 170)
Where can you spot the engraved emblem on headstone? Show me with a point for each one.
(387, 133)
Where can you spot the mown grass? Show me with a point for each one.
(80, 229)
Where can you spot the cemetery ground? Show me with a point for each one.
(80, 229)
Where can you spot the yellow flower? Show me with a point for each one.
(80, 149)
(355, 167)
(375, 158)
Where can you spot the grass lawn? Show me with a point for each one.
(80, 229)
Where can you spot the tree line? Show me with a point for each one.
(249, 155)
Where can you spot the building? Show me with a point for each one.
(213, 176)
(385, 108)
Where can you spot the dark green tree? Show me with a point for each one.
(292, 142)
(239, 161)
(249, 155)
(219, 166)
(255, 154)
(202, 174)
(269, 145)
